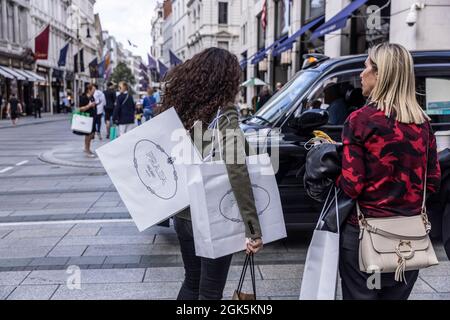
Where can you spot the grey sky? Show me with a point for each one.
(128, 20)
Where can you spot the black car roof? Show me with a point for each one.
(357, 61)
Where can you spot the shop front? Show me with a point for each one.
(43, 88)
(57, 89)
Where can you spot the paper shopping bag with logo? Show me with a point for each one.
(217, 223)
(147, 167)
(82, 123)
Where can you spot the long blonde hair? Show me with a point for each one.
(395, 91)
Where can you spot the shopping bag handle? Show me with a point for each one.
(328, 205)
(249, 260)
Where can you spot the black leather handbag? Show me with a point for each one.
(323, 166)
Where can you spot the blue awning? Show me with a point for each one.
(260, 55)
(243, 64)
(287, 44)
(338, 21)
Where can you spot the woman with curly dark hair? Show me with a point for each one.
(203, 90)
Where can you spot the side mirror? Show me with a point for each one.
(310, 120)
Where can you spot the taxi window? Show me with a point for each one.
(340, 95)
(433, 94)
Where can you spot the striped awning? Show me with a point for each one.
(5, 74)
(35, 76)
(15, 74)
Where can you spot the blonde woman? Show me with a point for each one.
(384, 164)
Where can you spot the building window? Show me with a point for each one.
(282, 17)
(313, 8)
(261, 33)
(184, 36)
(10, 22)
(223, 13)
(223, 45)
(244, 34)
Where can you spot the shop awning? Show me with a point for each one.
(260, 55)
(5, 74)
(25, 75)
(287, 44)
(35, 76)
(15, 74)
(338, 21)
(243, 64)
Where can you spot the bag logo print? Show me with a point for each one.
(229, 209)
(156, 169)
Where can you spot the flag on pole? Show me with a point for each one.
(93, 68)
(101, 69)
(108, 72)
(41, 44)
(152, 65)
(132, 44)
(143, 67)
(63, 56)
(107, 61)
(162, 69)
(174, 60)
(264, 16)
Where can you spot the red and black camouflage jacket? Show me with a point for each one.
(384, 164)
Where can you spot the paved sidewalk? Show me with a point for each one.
(72, 155)
(30, 120)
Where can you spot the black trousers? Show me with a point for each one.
(98, 123)
(357, 285)
(205, 279)
(37, 111)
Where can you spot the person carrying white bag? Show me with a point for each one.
(197, 89)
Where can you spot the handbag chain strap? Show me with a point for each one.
(364, 224)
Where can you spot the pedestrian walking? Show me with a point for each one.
(67, 105)
(139, 113)
(149, 104)
(389, 167)
(1, 106)
(14, 109)
(124, 112)
(111, 97)
(278, 88)
(100, 101)
(198, 94)
(264, 97)
(87, 105)
(157, 96)
(37, 106)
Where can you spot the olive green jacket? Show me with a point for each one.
(237, 170)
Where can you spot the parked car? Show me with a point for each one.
(302, 107)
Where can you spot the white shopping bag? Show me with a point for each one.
(217, 224)
(147, 171)
(320, 277)
(82, 124)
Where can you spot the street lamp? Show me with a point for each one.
(76, 24)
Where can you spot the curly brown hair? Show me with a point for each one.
(201, 85)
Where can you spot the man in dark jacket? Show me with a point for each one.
(111, 97)
(264, 97)
(125, 109)
(37, 106)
